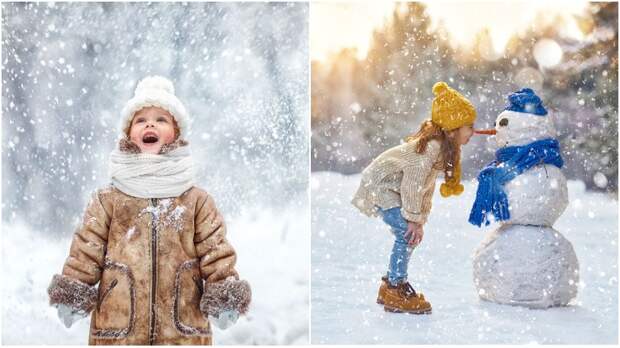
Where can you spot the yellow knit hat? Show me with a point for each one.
(451, 110)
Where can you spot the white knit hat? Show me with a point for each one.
(155, 91)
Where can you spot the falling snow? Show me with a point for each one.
(344, 287)
(240, 70)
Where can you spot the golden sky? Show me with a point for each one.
(335, 25)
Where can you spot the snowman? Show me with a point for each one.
(525, 261)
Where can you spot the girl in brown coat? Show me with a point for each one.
(153, 242)
(398, 186)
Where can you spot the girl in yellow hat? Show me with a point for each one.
(398, 186)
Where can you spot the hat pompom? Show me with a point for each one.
(439, 88)
(526, 101)
(155, 83)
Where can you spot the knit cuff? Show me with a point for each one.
(225, 295)
(412, 217)
(73, 293)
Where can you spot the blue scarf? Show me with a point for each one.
(509, 162)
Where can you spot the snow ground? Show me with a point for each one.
(350, 253)
(273, 255)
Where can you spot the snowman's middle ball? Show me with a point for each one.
(538, 196)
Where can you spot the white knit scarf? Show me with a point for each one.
(146, 175)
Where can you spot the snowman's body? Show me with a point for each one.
(537, 197)
(525, 261)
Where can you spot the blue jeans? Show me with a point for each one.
(401, 251)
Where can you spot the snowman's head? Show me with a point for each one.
(523, 121)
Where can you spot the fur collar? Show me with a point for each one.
(127, 146)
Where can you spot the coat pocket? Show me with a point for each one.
(115, 314)
(106, 292)
(186, 305)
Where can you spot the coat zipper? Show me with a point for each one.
(153, 272)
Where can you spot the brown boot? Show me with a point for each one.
(383, 289)
(402, 298)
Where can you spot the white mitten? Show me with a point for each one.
(73, 298)
(225, 320)
(68, 315)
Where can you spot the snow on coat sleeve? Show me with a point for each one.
(412, 189)
(217, 256)
(87, 252)
(224, 292)
(75, 287)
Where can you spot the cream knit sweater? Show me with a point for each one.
(401, 177)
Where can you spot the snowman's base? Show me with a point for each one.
(530, 305)
(530, 266)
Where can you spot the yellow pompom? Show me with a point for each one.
(444, 190)
(439, 88)
(447, 190)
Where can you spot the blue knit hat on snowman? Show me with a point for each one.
(526, 101)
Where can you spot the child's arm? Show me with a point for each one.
(414, 207)
(74, 290)
(427, 202)
(224, 292)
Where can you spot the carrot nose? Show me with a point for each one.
(485, 131)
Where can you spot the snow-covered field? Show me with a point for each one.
(350, 253)
(273, 255)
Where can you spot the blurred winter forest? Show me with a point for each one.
(68, 68)
(360, 107)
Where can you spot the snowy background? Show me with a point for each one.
(350, 253)
(363, 105)
(242, 72)
(364, 102)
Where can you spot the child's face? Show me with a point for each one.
(462, 134)
(151, 128)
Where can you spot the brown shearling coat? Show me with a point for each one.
(153, 259)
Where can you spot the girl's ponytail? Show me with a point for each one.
(450, 152)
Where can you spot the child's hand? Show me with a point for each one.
(68, 315)
(223, 301)
(414, 234)
(225, 320)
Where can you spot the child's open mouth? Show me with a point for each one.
(150, 138)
